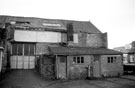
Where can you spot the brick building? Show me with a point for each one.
(60, 48)
(128, 52)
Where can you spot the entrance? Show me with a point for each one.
(22, 56)
(62, 67)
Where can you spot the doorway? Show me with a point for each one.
(22, 56)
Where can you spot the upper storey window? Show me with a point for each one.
(70, 32)
(75, 38)
(19, 22)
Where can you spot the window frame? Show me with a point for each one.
(112, 59)
(19, 49)
(78, 60)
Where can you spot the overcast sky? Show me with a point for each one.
(116, 17)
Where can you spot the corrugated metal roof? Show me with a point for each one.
(82, 51)
(79, 26)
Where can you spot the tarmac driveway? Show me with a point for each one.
(31, 79)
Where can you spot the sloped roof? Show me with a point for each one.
(82, 26)
(82, 51)
(131, 51)
(125, 51)
(78, 26)
(122, 49)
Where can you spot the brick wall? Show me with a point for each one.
(42, 48)
(111, 69)
(91, 40)
(82, 37)
(97, 40)
(47, 69)
(78, 71)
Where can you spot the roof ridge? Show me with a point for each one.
(79, 26)
(44, 18)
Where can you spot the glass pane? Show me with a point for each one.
(78, 59)
(26, 49)
(74, 59)
(20, 49)
(108, 59)
(82, 59)
(31, 49)
(111, 59)
(14, 49)
(62, 59)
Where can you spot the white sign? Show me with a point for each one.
(49, 24)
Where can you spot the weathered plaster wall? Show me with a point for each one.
(37, 36)
(111, 69)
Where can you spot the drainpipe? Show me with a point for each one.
(88, 71)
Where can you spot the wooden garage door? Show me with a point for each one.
(22, 56)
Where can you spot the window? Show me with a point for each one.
(111, 59)
(31, 52)
(21, 22)
(62, 60)
(23, 49)
(70, 38)
(20, 49)
(74, 59)
(78, 60)
(82, 59)
(14, 49)
(26, 49)
(75, 38)
(96, 58)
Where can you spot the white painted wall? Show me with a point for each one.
(48, 37)
(27, 36)
(37, 36)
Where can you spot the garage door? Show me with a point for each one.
(22, 56)
(19, 62)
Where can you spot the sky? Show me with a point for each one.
(116, 17)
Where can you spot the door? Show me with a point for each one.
(62, 67)
(0, 60)
(22, 56)
(96, 66)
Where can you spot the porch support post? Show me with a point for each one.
(57, 67)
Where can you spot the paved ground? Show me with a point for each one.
(31, 79)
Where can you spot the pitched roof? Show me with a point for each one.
(82, 51)
(79, 26)
(122, 49)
